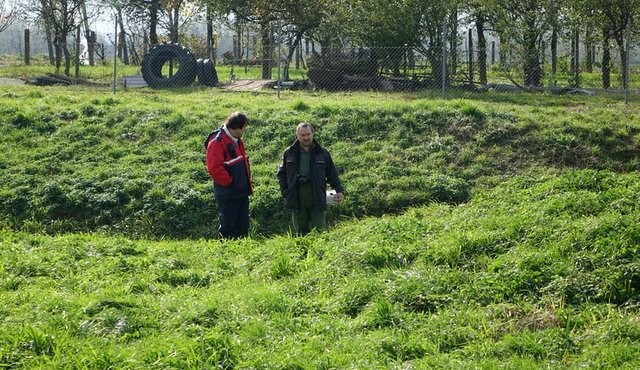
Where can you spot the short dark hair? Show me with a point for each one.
(237, 120)
(304, 124)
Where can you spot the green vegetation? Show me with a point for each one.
(102, 72)
(486, 231)
(13, 66)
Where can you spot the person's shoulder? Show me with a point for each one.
(292, 148)
(322, 149)
(218, 141)
(219, 135)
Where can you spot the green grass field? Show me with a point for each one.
(487, 231)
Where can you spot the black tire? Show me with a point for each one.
(207, 74)
(155, 60)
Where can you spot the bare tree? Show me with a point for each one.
(8, 13)
(89, 34)
(620, 14)
(522, 26)
(59, 18)
(179, 15)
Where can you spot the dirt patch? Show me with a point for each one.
(11, 81)
(247, 85)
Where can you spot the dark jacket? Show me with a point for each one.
(228, 166)
(322, 171)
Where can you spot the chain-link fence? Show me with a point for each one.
(405, 69)
(448, 70)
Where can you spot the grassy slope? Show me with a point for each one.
(538, 268)
(133, 163)
(516, 277)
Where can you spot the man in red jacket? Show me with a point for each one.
(228, 166)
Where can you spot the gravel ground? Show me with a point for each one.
(11, 81)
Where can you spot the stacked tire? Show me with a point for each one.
(187, 67)
(158, 56)
(207, 74)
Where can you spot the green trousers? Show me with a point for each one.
(307, 219)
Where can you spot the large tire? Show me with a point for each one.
(155, 60)
(207, 74)
(326, 79)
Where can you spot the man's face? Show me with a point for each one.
(305, 136)
(238, 132)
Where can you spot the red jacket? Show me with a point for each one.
(228, 166)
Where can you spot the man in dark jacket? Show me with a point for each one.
(303, 175)
(228, 166)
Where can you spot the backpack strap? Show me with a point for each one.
(210, 137)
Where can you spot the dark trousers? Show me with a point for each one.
(307, 219)
(234, 217)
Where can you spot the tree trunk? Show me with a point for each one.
(67, 59)
(623, 58)
(572, 53)
(482, 50)
(122, 40)
(175, 24)
(437, 70)
(470, 56)
(292, 50)
(50, 43)
(237, 42)
(554, 52)
(606, 60)
(503, 56)
(532, 69)
(453, 42)
(575, 57)
(134, 58)
(91, 47)
(77, 56)
(58, 44)
(209, 49)
(145, 42)
(588, 48)
(265, 32)
(173, 32)
(153, 22)
(88, 34)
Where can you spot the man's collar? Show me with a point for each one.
(313, 145)
(226, 130)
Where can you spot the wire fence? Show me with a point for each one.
(463, 68)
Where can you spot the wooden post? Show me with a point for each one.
(27, 47)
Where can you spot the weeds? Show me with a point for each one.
(473, 235)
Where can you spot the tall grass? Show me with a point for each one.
(488, 231)
(516, 277)
(86, 160)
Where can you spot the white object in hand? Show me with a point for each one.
(330, 197)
